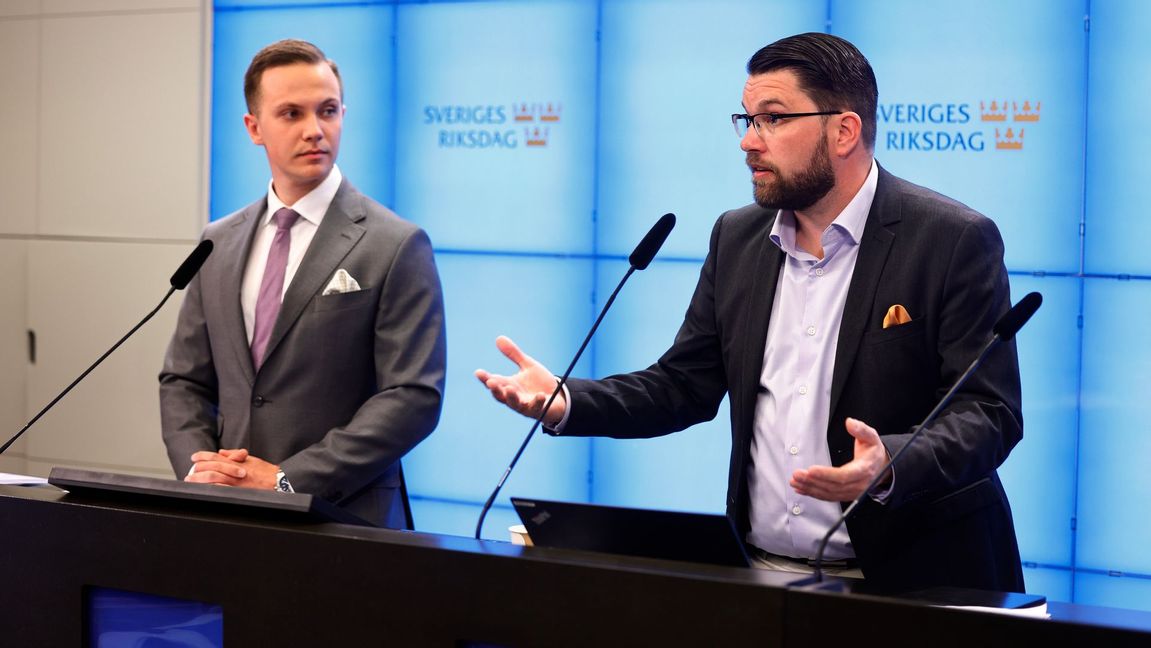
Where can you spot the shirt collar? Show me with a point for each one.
(314, 204)
(850, 222)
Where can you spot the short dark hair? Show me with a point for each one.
(278, 54)
(832, 71)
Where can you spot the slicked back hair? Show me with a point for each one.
(832, 71)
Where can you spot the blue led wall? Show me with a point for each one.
(537, 141)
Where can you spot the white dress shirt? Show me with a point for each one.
(792, 407)
(311, 209)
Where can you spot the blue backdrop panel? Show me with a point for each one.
(940, 66)
(686, 470)
(1044, 508)
(1055, 584)
(357, 38)
(1114, 480)
(457, 518)
(496, 123)
(1113, 590)
(1117, 191)
(486, 296)
(672, 73)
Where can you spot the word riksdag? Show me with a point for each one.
(493, 126)
(955, 126)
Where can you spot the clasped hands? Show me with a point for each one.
(529, 388)
(235, 467)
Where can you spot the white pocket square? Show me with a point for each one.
(341, 282)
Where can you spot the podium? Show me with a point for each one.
(292, 582)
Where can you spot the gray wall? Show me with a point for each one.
(103, 191)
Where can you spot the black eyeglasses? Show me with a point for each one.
(765, 123)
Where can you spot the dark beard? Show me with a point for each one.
(801, 191)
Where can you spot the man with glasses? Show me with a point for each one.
(834, 313)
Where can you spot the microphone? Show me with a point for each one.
(1003, 331)
(179, 281)
(639, 259)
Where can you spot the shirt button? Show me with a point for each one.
(803, 390)
(811, 330)
(796, 510)
(819, 272)
(793, 450)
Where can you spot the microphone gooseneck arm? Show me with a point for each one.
(640, 258)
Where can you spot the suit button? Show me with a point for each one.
(258, 401)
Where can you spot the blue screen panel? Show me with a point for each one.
(496, 123)
(1044, 507)
(488, 296)
(1113, 591)
(123, 618)
(1117, 190)
(940, 66)
(672, 73)
(357, 38)
(455, 518)
(1055, 584)
(1115, 483)
(686, 470)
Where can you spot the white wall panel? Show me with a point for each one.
(13, 348)
(83, 297)
(19, 7)
(121, 133)
(19, 116)
(91, 6)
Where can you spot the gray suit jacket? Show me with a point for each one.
(350, 382)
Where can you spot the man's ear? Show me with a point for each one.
(848, 134)
(252, 125)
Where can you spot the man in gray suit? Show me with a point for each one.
(309, 353)
(834, 313)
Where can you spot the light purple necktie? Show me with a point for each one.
(272, 285)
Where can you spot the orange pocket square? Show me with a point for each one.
(895, 316)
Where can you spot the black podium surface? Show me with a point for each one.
(291, 583)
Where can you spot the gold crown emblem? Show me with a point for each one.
(536, 136)
(552, 113)
(524, 112)
(996, 112)
(1009, 141)
(1027, 114)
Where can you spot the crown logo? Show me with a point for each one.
(524, 112)
(997, 112)
(552, 113)
(536, 136)
(1009, 141)
(1027, 114)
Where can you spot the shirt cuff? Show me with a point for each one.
(559, 427)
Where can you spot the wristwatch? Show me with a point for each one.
(282, 483)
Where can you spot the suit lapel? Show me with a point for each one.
(873, 253)
(337, 235)
(765, 280)
(235, 247)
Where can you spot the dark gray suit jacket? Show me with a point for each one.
(350, 382)
(947, 520)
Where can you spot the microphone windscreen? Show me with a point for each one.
(1014, 319)
(647, 248)
(191, 265)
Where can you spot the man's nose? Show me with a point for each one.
(312, 130)
(751, 141)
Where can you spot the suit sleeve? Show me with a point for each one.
(410, 357)
(684, 387)
(975, 433)
(188, 386)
